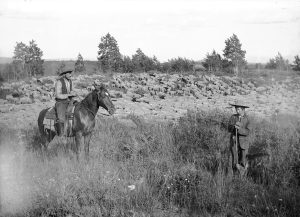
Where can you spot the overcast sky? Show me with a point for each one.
(164, 28)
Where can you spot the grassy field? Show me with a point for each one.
(140, 168)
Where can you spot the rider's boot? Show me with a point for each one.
(60, 129)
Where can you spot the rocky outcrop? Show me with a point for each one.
(135, 86)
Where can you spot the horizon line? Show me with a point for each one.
(94, 60)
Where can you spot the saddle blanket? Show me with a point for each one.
(50, 119)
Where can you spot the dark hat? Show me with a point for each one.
(65, 72)
(239, 103)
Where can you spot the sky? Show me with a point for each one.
(164, 28)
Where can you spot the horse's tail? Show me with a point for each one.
(41, 120)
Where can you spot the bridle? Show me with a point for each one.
(89, 110)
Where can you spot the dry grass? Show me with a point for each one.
(154, 169)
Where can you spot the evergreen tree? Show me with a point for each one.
(27, 59)
(278, 63)
(157, 64)
(128, 65)
(281, 63)
(233, 53)
(296, 65)
(144, 63)
(271, 64)
(20, 60)
(213, 61)
(35, 61)
(109, 56)
(139, 60)
(181, 65)
(79, 64)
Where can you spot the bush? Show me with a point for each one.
(180, 65)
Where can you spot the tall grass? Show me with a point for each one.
(144, 168)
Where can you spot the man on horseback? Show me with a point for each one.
(82, 122)
(239, 129)
(63, 96)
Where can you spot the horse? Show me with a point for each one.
(84, 118)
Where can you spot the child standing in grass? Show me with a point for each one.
(239, 130)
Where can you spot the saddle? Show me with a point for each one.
(50, 119)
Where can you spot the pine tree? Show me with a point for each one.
(109, 56)
(233, 53)
(128, 65)
(213, 61)
(20, 59)
(296, 66)
(278, 63)
(144, 63)
(79, 64)
(139, 60)
(35, 61)
(27, 59)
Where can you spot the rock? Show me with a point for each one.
(135, 97)
(209, 87)
(152, 74)
(251, 85)
(246, 87)
(226, 93)
(146, 101)
(5, 109)
(200, 84)
(161, 96)
(10, 98)
(3, 101)
(261, 89)
(25, 100)
(44, 98)
(116, 95)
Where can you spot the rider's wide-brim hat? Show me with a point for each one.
(65, 72)
(239, 103)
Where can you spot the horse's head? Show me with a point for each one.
(103, 98)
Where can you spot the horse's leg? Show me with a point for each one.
(78, 142)
(87, 140)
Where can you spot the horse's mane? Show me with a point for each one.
(88, 99)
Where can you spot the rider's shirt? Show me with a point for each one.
(63, 86)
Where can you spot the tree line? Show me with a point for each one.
(110, 59)
(28, 61)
